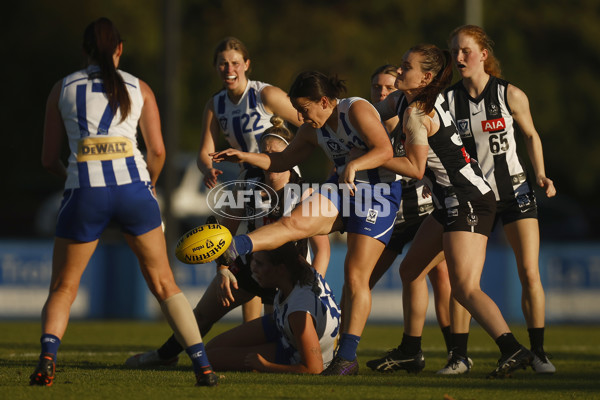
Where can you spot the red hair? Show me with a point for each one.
(491, 65)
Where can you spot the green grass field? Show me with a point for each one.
(90, 366)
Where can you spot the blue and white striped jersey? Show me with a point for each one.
(337, 145)
(103, 150)
(322, 307)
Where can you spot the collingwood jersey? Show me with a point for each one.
(413, 205)
(486, 127)
(455, 176)
(103, 149)
(244, 122)
(324, 311)
(337, 145)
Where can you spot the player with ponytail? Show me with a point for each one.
(108, 179)
(458, 230)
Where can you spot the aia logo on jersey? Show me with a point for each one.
(492, 125)
(223, 122)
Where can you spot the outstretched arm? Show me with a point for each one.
(298, 150)
(519, 104)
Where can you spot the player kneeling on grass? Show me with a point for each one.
(299, 336)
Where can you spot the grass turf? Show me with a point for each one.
(90, 366)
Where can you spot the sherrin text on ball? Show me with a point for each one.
(203, 244)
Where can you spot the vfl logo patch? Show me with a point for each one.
(472, 219)
(334, 146)
(492, 125)
(399, 150)
(464, 128)
(223, 123)
(493, 109)
(372, 216)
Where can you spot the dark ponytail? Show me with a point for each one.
(314, 85)
(100, 41)
(300, 270)
(439, 63)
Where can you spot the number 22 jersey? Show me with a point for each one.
(244, 122)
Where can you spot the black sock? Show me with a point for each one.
(536, 339)
(410, 345)
(507, 343)
(447, 338)
(460, 341)
(170, 349)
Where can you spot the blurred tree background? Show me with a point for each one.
(549, 49)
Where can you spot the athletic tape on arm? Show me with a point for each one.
(415, 129)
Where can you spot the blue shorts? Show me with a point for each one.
(85, 212)
(273, 335)
(371, 211)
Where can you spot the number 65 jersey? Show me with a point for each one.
(103, 149)
(486, 127)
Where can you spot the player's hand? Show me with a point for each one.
(210, 178)
(547, 184)
(230, 155)
(347, 177)
(227, 280)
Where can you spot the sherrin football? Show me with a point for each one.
(203, 244)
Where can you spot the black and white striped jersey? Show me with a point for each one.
(487, 128)
(455, 176)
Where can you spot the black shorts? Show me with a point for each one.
(521, 207)
(472, 216)
(243, 274)
(403, 233)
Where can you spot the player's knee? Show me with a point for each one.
(66, 291)
(530, 278)
(356, 284)
(464, 293)
(163, 289)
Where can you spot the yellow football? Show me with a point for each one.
(203, 244)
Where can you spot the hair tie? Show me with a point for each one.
(274, 135)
